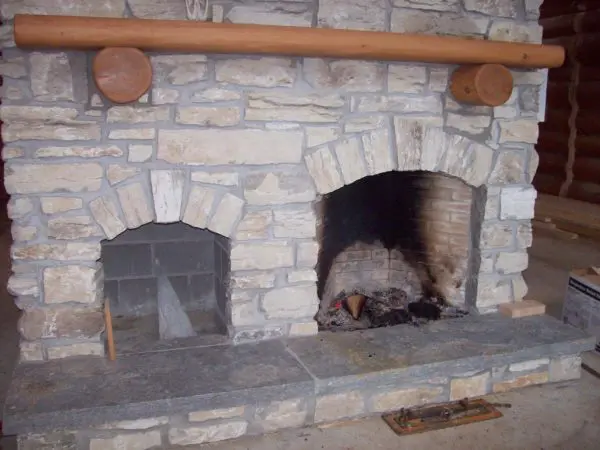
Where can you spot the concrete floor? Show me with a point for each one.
(554, 417)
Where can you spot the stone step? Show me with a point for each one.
(200, 394)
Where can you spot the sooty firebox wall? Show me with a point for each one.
(384, 212)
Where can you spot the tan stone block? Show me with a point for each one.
(276, 188)
(438, 79)
(349, 156)
(492, 291)
(220, 178)
(306, 254)
(346, 75)
(199, 206)
(135, 206)
(502, 8)
(303, 329)
(208, 116)
(404, 398)
(12, 152)
(53, 205)
(162, 96)
(19, 207)
(291, 14)
(301, 276)
(262, 72)
(260, 280)
(72, 227)
(517, 202)
(23, 234)
(316, 136)
(377, 152)
(468, 387)
(282, 414)
(254, 225)
(139, 424)
(519, 287)
(352, 14)
(509, 168)
(513, 262)
(132, 114)
(323, 169)
(179, 69)
(79, 349)
(167, 194)
(338, 406)
(520, 382)
(104, 210)
(132, 133)
(107, 8)
(215, 95)
(121, 172)
(43, 323)
(528, 366)
(523, 308)
(563, 368)
(397, 103)
(496, 235)
(223, 413)
(208, 433)
(74, 131)
(468, 124)
(72, 283)
(13, 67)
(130, 441)
(365, 123)
(293, 108)
(290, 302)
(522, 130)
(139, 153)
(227, 213)
(406, 78)
(80, 152)
(428, 22)
(39, 178)
(510, 31)
(22, 285)
(294, 222)
(261, 256)
(229, 147)
(59, 251)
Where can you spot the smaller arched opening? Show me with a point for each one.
(158, 277)
(397, 247)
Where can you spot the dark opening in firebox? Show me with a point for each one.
(398, 247)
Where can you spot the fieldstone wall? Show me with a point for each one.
(243, 146)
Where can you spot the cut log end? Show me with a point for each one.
(122, 75)
(485, 84)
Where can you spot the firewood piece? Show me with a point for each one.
(355, 304)
(523, 308)
(122, 75)
(87, 33)
(485, 84)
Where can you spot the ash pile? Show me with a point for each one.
(358, 311)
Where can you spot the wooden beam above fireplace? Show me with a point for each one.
(87, 33)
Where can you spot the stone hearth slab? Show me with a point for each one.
(384, 356)
(81, 393)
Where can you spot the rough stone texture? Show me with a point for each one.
(222, 147)
(520, 382)
(167, 192)
(474, 386)
(292, 14)
(51, 78)
(276, 188)
(434, 5)
(428, 22)
(406, 78)
(347, 75)
(131, 114)
(199, 206)
(58, 251)
(284, 414)
(517, 202)
(224, 413)
(72, 227)
(133, 133)
(71, 284)
(523, 130)
(262, 72)
(352, 14)
(503, 8)
(206, 116)
(351, 164)
(294, 108)
(338, 406)
(263, 256)
(105, 212)
(405, 398)
(134, 204)
(565, 368)
(515, 32)
(79, 349)
(228, 212)
(222, 178)
(207, 433)
(290, 302)
(135, 441)
(108, 8)
(158, 9)
(179, 69)
(42, 178)
(323, 169)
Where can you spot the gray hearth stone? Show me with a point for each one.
(78, 393)
(407, 355)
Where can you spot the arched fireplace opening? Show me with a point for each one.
(397, 247)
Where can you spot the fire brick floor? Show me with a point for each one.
(559, 416)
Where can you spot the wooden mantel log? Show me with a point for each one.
(36, 31)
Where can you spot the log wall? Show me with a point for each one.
(569, 143)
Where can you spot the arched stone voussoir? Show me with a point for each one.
(422, 146)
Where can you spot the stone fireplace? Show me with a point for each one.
(225, 177)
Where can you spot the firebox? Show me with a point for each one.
(158, 274)
(397, 246)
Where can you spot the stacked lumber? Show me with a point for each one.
(566, 218)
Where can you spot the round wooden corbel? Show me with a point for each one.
(122, 74)
(485, 84)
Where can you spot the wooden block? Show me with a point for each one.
(524, 308)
